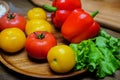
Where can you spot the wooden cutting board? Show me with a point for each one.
(109, 11)
(22, 63)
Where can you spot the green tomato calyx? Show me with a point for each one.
(39, 36)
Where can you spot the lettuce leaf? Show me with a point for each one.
(100, 54)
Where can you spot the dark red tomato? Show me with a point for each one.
(38, 44)
(12, 20)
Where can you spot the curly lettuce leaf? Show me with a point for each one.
(100, 54)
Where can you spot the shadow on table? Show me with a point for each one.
(84, 76)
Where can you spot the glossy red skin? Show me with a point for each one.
(18, 21)
(79, 26)
(38, 48)
(59, 17)
(64, 8)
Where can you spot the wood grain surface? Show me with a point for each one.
(22, 63)
(109, 11)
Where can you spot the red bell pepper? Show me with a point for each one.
(79, 26)
(62, 9)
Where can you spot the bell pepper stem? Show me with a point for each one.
(49, 8)
(94, 13)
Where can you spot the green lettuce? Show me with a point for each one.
(100, 54)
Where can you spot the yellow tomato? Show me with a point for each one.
(12, 40)
(36, 13)
(61, 58)
(38, 25)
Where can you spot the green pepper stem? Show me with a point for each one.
(49, 8)
(94, 13)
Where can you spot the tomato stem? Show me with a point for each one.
(55, 60)
(39, 36)
(11, 16)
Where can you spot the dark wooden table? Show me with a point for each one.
(22, 6)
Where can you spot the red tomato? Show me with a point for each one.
(38, 44)
(12, 20)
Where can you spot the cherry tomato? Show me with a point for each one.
(12, 39)
(61, 58)
(38, 25)
(12, 20)
(38, 44)
(37, 13)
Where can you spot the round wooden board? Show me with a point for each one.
(22, 63)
